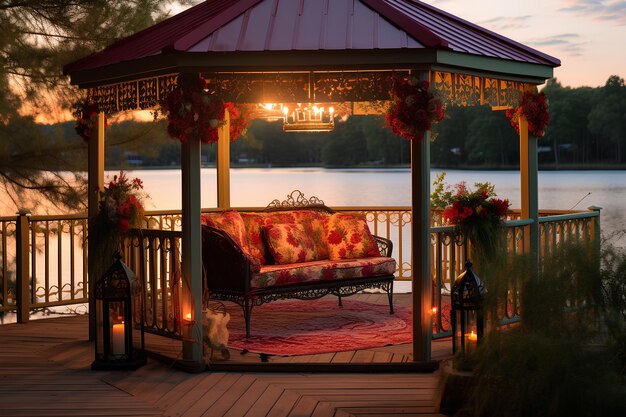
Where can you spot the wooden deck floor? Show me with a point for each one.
(45, 371)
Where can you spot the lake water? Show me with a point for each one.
(251, 187)
(562, 190)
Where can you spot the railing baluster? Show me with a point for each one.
(46, 239)
(72, 261)
(60, 260)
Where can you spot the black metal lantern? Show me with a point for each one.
(119, 329)
(467, 315)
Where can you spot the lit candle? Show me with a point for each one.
(118, 339)
(188, 316)
(434, 310)
(472, 337)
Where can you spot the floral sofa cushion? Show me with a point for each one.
(349, 237)
(254, 223)
(326, 270)
(313, 223)
(289, 243)
(311, 220)
(231, 223)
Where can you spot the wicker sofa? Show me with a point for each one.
(292, 249)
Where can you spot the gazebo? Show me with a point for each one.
(314, 51)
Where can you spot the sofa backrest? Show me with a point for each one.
(296, 230)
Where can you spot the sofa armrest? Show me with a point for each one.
(225, 265)
(385, 246)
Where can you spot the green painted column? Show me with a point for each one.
(420, 246)
(192, 254)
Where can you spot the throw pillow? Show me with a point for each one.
(289, 243)
(349, 237)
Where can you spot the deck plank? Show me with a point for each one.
(45, 372)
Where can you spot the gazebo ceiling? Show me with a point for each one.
(323, 50)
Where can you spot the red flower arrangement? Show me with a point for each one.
(534, 106)
(414, 108)
(239, 119)
(121, 208)
(191, 111)
(194, 113)
(120, 203)
(86, 113)
(478, 213)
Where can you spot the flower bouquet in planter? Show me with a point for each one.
(121, 209)
(478, 213)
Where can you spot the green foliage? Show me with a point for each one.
(567, 357)
(38, 37)
(607, 118)
(441, 195)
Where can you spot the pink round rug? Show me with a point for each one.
(297, 327)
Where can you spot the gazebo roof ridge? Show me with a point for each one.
(420, 32)
(249, 26)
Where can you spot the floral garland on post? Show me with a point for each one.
(193, 112)
(86, 113)
(414, 108)
(477, 213)
(239, 119)
(534, 106)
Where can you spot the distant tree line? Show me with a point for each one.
(587, 129)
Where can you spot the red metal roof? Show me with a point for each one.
(303, 25)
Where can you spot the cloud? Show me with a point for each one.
(566, 43)
(500, 22)
(613, 11)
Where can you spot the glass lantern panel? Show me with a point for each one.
(137, 317)
(466, 330)
(117, 312)
(99, 330)
(471, 331)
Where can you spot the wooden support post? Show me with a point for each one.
(529, 171)
(420, 248)
(22, 262)
(223, 163)
(95, 184)
(193, 359)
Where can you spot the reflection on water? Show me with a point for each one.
(251, 187)
(561, 190)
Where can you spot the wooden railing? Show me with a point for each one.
(154, 256)
(43, 262)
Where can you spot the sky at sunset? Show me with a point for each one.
(588, 36)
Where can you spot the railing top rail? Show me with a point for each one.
(517, 223)
(54, 217)
(156, 233)
(572, 216)
(546, 215)
(508, 223)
